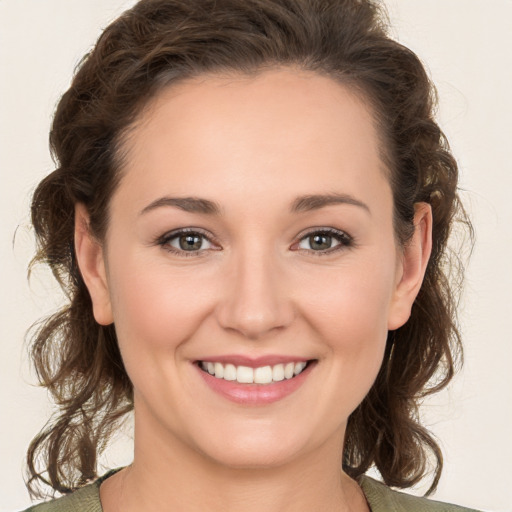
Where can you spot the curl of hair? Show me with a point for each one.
(158, 43)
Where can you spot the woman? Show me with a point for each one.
(250, 216)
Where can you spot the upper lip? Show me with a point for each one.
(254, 362)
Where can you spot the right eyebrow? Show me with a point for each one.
(187, 204)
(317, 201)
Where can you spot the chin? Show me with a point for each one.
(253, 459)
(252, 450)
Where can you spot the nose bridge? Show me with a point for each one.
(256, 301)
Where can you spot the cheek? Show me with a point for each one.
(155, 309)
(350, 302)
(349, 318)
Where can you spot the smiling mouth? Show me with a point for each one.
(260, 375)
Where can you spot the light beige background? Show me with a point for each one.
(467, 45)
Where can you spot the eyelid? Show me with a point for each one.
(345, 240)
(164, 240)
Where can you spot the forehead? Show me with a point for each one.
(280, 128)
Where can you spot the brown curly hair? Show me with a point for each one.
(158, 43)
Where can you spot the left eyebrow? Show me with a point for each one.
(187, 204)
(316, 201)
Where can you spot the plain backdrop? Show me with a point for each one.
(466, 45)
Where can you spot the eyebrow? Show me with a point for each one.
(316, 201)
(187, 204)
(299, 205)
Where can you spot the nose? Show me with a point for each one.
(256, 299)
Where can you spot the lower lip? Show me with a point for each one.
(255, 394)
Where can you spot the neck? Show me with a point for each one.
(168, 475)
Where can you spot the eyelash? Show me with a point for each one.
(164, 241)
(345, 241)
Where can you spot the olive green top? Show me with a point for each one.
(380, 498)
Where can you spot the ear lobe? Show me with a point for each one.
(415, 257)
(91, 262)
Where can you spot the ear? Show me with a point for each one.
(91, 262)
(414, 260)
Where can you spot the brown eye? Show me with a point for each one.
(190, 242)
(320, 242)
(185, 242)
(325, 241)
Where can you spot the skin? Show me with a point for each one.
(253, 145)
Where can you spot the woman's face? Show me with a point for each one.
(251, 231)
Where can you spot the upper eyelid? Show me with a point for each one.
(341, 235)
(176, 232)
(164, 242)
(212, 239)
(320, 229)
(345, 241)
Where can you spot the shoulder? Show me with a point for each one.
(383, 499)
(85, 499)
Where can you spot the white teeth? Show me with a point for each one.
(229, 372)
(263, 375)
(248, 375)
(219, 370)
(288, 370)
(278, 373)
(245, 375)
(298, 368)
